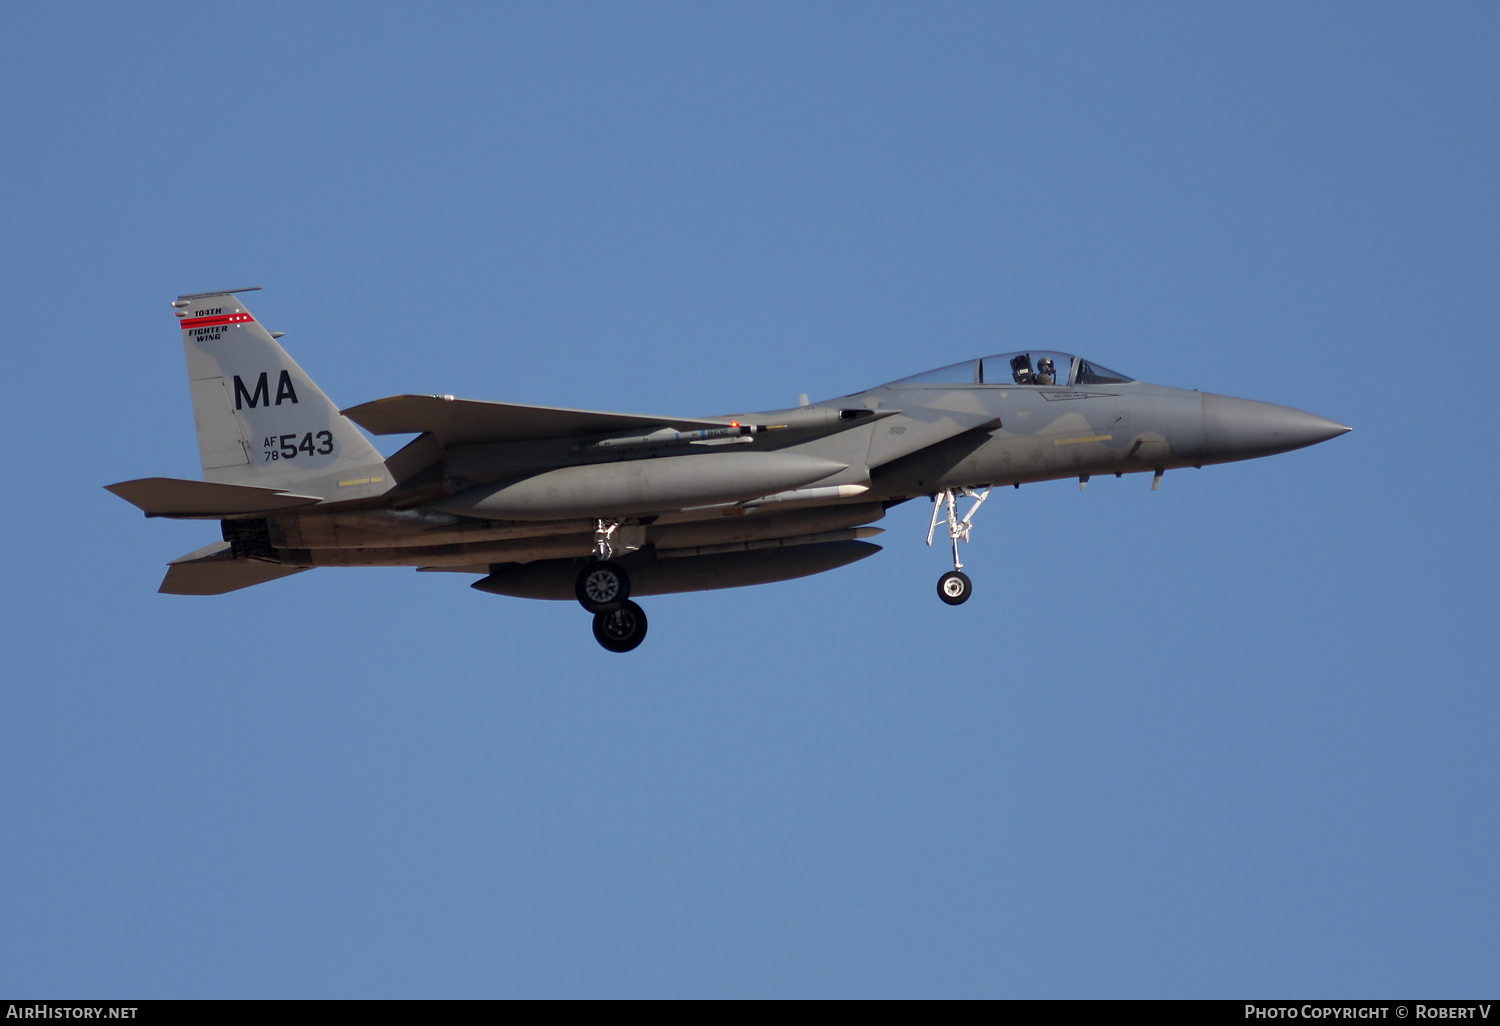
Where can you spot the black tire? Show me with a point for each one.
(602, 587)
(621, 630)
(955, 588)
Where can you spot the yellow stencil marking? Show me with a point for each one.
(1075, 441)
(361, 480)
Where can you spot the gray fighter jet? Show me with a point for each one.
(551, 503)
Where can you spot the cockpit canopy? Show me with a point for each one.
(1032, 367)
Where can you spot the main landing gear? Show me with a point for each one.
(603, 588)
(954, 587)
(622, 629)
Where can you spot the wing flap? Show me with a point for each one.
(468, 421)
(174, 497)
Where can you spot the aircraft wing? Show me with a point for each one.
(467, 421)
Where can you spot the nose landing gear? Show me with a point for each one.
(955, 587)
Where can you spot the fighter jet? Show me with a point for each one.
(602, 508)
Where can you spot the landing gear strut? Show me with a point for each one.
(604, 538)
(954, 587)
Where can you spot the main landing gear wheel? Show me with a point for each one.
(602, 587)
(954, 587)
(622, 629)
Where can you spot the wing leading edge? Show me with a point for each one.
(468, 421)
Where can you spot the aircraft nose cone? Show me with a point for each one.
(1240, 429)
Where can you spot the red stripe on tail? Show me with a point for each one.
(209, 322)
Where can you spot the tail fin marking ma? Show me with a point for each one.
(261, 420)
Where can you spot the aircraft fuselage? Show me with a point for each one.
(926, 439)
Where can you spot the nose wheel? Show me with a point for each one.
(954, 587)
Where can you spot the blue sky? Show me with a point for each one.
(1233, 737)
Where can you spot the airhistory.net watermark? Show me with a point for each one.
(41, 1010)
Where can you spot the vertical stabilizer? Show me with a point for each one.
(261, 420)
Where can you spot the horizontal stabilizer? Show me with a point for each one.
(467, 421)
(173, 497)
(213, 570)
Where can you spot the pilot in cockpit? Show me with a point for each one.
(1046, 372)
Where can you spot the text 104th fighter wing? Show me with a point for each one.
(605, 508)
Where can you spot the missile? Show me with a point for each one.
(843, 491)
(820, 420)
(666, 436)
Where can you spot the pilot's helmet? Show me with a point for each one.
(1044, 365)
